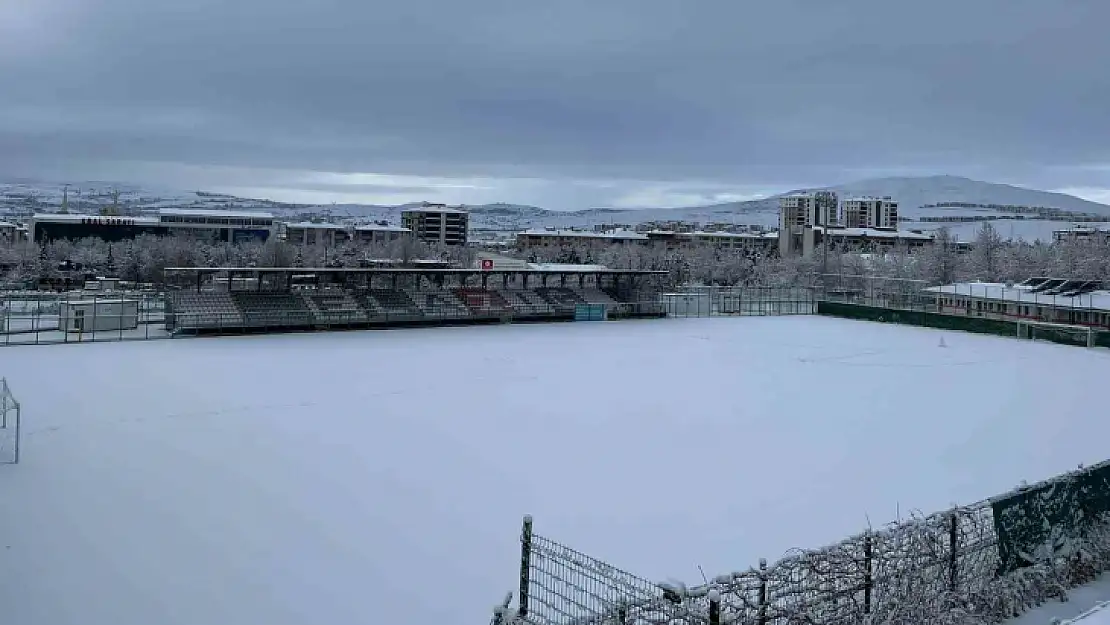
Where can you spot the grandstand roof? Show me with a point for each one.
(613, 234)
(302, 270)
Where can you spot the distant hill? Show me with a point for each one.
(926, 196)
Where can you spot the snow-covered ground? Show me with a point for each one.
(1086, 605)
(380, 477)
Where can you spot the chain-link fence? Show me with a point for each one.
(1079, 302)
(712, 301)
(40, 317)
(992, 559)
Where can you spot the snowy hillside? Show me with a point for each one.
(26, 197)
(1024, 213)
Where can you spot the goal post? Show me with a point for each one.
(9, 425)
(1065, 334)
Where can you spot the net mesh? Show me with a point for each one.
(1080, 336)
(872, 575)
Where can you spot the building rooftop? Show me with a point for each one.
(615, 234)
(202, 212)
(566, 268)
(709, 235)
(380, 228)
(434, 209)
(312, 225)
(875, 233)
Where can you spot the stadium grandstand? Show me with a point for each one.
(239, 300)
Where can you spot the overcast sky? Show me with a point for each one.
(563, 103)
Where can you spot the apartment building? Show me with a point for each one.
(799, 213)
(437, 224)
(871, 212)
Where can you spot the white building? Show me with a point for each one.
(437, 223)
(218, 225)
(329, 235)
(871, 212)
(98, 315)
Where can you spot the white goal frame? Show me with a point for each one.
(9, 423)
(1026, 329)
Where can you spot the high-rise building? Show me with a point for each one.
(799, 213)
(437, 223)
(871, 212)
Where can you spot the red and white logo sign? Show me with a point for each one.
(487, 264)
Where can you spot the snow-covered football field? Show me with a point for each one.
(380, 477)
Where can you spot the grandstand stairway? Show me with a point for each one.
(205, 309)
(526, 303)
(483, 302)
(279, 309)
(596, 296)
(391, 303)
(561, 299)
(334, 307)
(439, 304)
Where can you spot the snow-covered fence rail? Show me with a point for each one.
(979, 563)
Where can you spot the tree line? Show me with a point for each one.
(991, 259)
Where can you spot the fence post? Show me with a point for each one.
(868, 579)
(714, 607)
(763, 591)
(953, 549)
(525, 565)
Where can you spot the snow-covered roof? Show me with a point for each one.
(381, 228)
(98, 300)
(564, 267)
(721, 235)
(311, 225)
(873, 233)
(1095, 300)
(211, 212)
(869, 198)
(615, 234)
(7, 224)
(106, 219)
(433, 209)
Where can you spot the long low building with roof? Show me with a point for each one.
(1052, 300)
(668, 239)
(313, 233)
(866, 239)
(214, 225)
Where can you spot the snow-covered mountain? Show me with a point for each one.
(931, 198)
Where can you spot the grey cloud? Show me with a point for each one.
(768, 93)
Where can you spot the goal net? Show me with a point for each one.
(1081, 336)
(9, 425)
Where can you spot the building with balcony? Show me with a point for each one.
(871, 212)
(437, 224)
